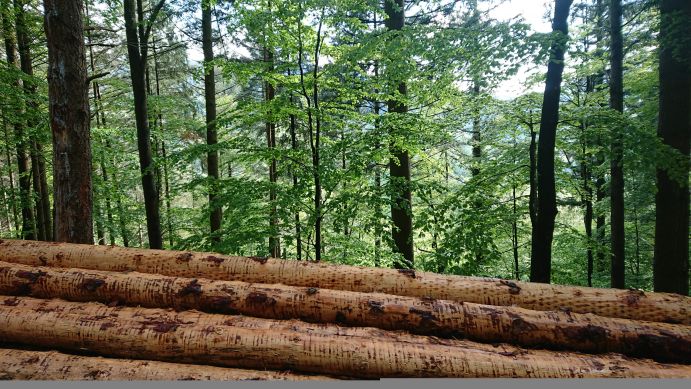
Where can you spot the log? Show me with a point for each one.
(195, 337)
(555, 330)
(627, 304)
(18, 364)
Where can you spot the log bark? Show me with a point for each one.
(195, 337)
(627, 304)
(554, 330)
(53, 365)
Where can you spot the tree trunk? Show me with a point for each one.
(69, 114)
(53, 365)
(220, 339)
(629, 304)
(269, 95)
(137, 54)
(541, 260)
(28, 231)
(38, 168)
(10, 173)
(616, 102)
(671, 258)
(294, 147)
(216, 212)
(399, 164)
(557, 330)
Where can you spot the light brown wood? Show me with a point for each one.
(556, 330)
(628, 304)
(192, 336)
(18, 364)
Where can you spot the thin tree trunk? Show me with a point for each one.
(55, 366)
(255, 343)
(20, 142)
(399, 164)
(671, 258)
(10, 173)
(294, 147)
(216, 212)
(616, 102)
(541, 260)
(137, 53)
(628, 304)
(514, 235)
(269, 95)
(378, 213)
(69, 113)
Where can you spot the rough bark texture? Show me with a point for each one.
(671, 258)
(217, 339)
(53, 365)
(616, 102)
(399, 164)
(137, 53)
(69, 121)
(630, 304)
(541, 256)
(555, 330)
(216, 215)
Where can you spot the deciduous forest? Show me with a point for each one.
(379, 133)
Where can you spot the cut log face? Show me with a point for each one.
(554, 330)
(52, 365)
(628, 304)
(192, 336)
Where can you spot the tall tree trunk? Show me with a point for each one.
(269, 95)
(216, 216)
(616, 102)
(43, 222)
(671, 258)
(137, 50)
(541, 260)
(10, 173)
(20, 139)
(532, 199)
(294, 147)
(69, 121)
(399, 164)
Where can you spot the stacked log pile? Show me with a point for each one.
(185, 315)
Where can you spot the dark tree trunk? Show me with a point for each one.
(616, 102)
(532, 200)
(43, 222)
(269, 95)
(399, 165)
(137, 53)
(294, 147)
(20, 141)
(541, 261)
(671, 258)
(69, 114)
(216, 215)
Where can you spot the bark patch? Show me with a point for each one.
(588, 334)
(96, 374)
(425, 316)
(311, 291)
(91, 284)
(262, 260)
(106, 325)
(410, 273)
(184, 257)
(216, 260)
(32, 276)
(11, 302)
(260, 298)
(633, 296)
(375, 307)
(340, 317)
(513, 288)
(43, 260)
(192, 287)
(223, 305)
(59, 256)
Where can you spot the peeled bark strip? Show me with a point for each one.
(557, 330)
(628, 304)
(53, 365)
(196, 337)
